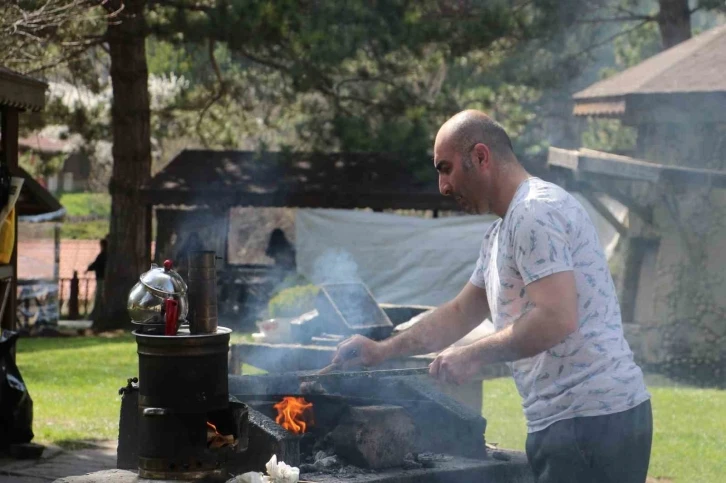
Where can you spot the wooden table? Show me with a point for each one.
(301, 357)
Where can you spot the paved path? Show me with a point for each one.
(57, 463)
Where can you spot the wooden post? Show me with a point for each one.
(56, 246)
(73, 299)
(9, 144)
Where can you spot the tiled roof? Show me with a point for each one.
(23, 92)
(696, 65)
(330, 180)
(34, 199)
(600, 108)
(43, 144)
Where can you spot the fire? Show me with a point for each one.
(217, 440)
(294, 414)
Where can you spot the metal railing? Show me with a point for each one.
(75, 297)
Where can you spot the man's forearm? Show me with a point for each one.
(438, 330)
(534, 332)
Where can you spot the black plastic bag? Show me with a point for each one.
(16, 406)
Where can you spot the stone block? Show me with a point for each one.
(375, 436)
(107, 476)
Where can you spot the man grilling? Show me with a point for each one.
(544, 281)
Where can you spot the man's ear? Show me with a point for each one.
(482, 153)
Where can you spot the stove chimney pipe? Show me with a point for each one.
(202, 282)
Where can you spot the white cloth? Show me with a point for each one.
(591, 372)
(402, 259)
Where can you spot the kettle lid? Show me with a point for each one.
(164, 279)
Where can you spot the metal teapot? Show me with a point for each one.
(147, 299)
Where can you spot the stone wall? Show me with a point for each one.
(685, 337)
(690, 288)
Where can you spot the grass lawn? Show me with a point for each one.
(689, 428)
(87, 204)
(74, 384)
(95, 205)
(85, 230)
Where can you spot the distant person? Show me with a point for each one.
(99, 266)
(282, 252)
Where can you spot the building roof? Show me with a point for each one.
(35, 200)
(339, 180)
(42, 144)
(23, 92)
(695, 66)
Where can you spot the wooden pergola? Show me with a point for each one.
(214, 182)
(19, 93)
(305, 180)
(675, 100)
(673, 184)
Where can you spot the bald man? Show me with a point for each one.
(544, 281)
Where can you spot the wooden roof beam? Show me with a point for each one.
(605, 212)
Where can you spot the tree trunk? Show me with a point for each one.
(674, 22)
(129, 235)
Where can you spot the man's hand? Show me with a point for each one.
(358, 351)
(455, 365)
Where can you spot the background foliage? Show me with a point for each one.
(326, 75)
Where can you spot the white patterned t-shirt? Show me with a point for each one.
(592, 372)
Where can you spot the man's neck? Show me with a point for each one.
(511, 177)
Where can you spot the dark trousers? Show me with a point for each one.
(600, 449)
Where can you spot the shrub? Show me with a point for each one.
(293, 301)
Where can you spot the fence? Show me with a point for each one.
(75, 297)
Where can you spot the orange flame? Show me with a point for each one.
(217, 440)
(294, 414)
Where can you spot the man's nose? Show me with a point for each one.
(444, 186)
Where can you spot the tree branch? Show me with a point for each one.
(61, 60)
(215, 98)
(181, 4)
(265, 62)
(609, 39)
(629, 18)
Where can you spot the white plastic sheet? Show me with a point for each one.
(403, 259)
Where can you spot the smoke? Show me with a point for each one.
(334, 266)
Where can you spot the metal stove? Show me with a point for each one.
(181, 393)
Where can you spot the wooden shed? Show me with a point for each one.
(214, 182)
(199, 191)
(673, 285)
(19, 93)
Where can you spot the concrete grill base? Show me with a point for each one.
(456, 470)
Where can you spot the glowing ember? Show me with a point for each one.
(294, 414)
(217, 440)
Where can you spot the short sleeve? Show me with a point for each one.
(478, 278)
(541, 241)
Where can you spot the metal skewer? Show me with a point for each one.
(330, 373)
